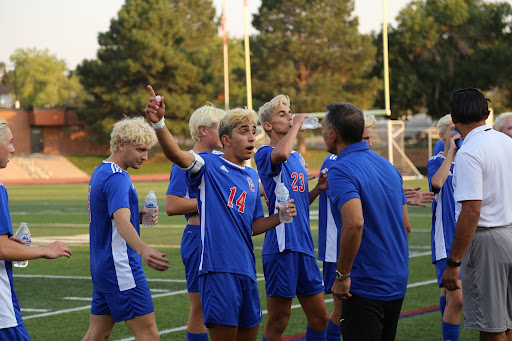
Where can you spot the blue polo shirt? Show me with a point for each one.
(380, 268)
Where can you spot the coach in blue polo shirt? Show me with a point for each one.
(372, 268)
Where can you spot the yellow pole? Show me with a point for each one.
(247, 58)
(225, 47)
(386, 60)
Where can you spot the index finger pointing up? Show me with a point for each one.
(150, 88)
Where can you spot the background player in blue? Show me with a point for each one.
(231, 211)
(120, 289)
(289, 261)
(440, 177)
(181, 200)
(372, 267)
(12, 249)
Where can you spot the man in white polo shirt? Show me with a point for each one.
(483, 235)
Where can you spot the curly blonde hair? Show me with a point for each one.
(132, 130)
(443, 123)
(265, 111)
(369, 121)
(232, 118)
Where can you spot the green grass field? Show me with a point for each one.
(55, 294)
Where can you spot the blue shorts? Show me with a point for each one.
(329, 272)
(230, 299)
(18, 333)
(123, 305)
(291, 273)
(440, 267)
(191, 255)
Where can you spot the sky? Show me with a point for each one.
(69, 28)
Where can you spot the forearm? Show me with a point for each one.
(172, 150)
(284, 147)
(127, 230)
(14, 251)
(176, 205)
(442, 173)
(465, 229)
(350, 240)
(265, 224)
(314, 193)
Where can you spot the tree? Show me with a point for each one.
(42, 80)
(157, 42)
(312, 51)
(441, 46)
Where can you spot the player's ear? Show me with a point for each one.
(120, 145)
(267, 126)
(226, 141)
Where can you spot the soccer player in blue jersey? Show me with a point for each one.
(230, 213)
(440, 177)
(12, 249)
(289, 261)
(180, 200)
(120, 289)
(372, 267)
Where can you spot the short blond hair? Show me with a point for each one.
(232, 118)
(3, 129)
(443, 123)
(499, 122)
(369, 121)
(265, 111)
(205, 116)
(132, 130)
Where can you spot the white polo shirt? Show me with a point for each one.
(483, 171)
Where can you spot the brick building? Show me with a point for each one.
(49, 131)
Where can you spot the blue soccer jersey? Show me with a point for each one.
(115, 266)
(294, 236)
(178, 186)
(10, 314)
(229, 202)
(328, 231)
(443, 211)
(380, 268)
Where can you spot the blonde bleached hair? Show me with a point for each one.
(265, 111)
(3, 129)
(132, 130)
(232, 118)
(369, 121)
(205, 116)
(443, 123)
(499, 122)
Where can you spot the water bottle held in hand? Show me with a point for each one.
(311, 123)
(23, 233)
(282, 197)
(150, 207)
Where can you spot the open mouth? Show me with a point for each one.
(250, 149)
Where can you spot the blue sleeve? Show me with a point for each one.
(343, 187)
(5, 216)
(258, 209)
(117, 191)
(263, 161)
(193, 180)
(178, 182)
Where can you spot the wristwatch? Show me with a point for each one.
(342, 277)
(452, 263)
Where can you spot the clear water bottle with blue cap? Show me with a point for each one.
(150, 207)
(23, 232)
(282, 197)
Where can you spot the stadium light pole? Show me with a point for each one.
(226, 65)
(385, 56)
(247, 57)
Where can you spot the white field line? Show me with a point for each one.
(265, 312)
(34, 310)
(89, 278)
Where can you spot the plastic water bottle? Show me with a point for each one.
(282, 197)
(311, 123)
(150, 206)
(23, 233)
